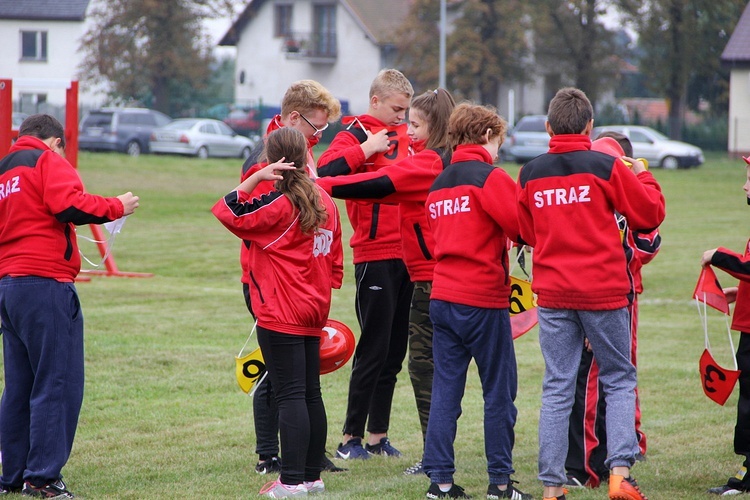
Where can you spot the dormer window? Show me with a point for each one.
(33, 45)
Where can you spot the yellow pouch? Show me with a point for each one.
(249, 369)
(521, 297)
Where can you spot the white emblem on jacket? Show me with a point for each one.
(562, 196)
(449, 206)
(322, 243)
(10, 186)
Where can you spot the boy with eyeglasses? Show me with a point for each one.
(308, 107)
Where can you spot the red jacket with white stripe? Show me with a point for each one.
(292, 273)
(251, 166)
(42, 199)
(567, 199)
(376, 227)
(738, 266)
(472, 211)
(406, 183)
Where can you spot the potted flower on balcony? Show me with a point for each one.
(291, 45)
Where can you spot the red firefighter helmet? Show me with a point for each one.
(336, 346)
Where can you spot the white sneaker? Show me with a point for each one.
(314, 487)
(277, 489)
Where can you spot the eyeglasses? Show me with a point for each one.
(318, 131)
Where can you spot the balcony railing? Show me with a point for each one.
(317, 47)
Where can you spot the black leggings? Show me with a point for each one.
(293, 363)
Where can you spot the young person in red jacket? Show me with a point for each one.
(738, 265)
(42, 199)
(296, 260)
(567, 199)
(587, 447)
(372, 141)
(472, 211)
(307, 106)
(407, 183)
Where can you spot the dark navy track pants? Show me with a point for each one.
(42, 332)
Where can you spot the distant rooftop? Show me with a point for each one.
(737, 51)
(44, 10)
(378, 19)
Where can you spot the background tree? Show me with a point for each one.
(571, 40)
(148, 50)
(418, 45)
(486, 46)
(682, 41)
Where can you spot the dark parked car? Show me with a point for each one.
(126, 130)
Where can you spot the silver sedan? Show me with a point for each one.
(201, 137)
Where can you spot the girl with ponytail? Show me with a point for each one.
(295, 234)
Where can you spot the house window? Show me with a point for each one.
(282, 20)
(324, 29)
(32, 103)
(33, 45)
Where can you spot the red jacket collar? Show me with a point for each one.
(569, 142)
(468, 152)
(276, 124)
(29, 142)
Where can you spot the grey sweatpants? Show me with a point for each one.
(561, 334)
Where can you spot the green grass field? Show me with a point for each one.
(163, 415)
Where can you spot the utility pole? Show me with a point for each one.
(443, 24)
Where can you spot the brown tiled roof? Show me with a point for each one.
(379, 19)
(738, 48)
(44, 10)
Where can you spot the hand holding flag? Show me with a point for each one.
(709, 291)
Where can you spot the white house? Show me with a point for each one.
(340, 43)
(40, 41)
(736, 56)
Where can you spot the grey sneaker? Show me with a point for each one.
(277, 489)
(414, 469)
(314, 487)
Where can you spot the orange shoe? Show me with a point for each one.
(561, 497)
(624, 488)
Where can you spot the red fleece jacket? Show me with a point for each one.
(567, 203)
(42, 199)
(376, 226)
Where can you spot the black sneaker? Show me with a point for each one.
(455, 492)
(414, 469)
(574, 482)
(733, 487)
(384, 448)
(55, 489)
(269, 466)
(7, 490)
(329, 466)
(495, 493)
